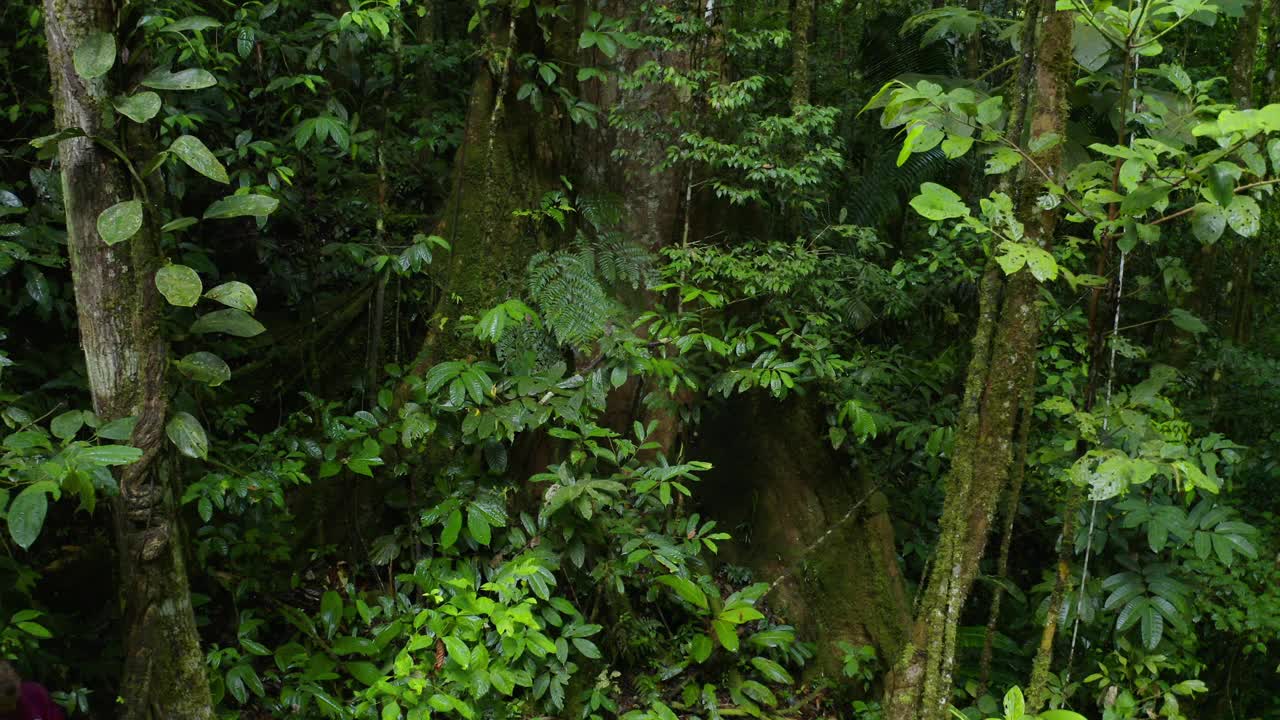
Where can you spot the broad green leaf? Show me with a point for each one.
(587, 648)
(772, 671)
(1222, 184)
(66, 425)
(95, 55)
(235, 294)
(120, 221)
(179, 284)
(956, 145)
(1187, 322)
(330, 612)
(478, 526)
(118, 429)
(111, 454)
(726, 633)
(241, 206)
(138, 108)
(1090, 47)
(232, 322)
(1208, 222)
(689, 592)
(190, 79)
(1244, 216)
(204, 367)
(452, 526)
(26, 515)
(181, 223)
(194, 22)
(185, 431)
(700, 648)
(193, 152)
(936, 202)
(458, 651)
(1015, 707)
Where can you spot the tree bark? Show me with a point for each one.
(1000, 374)
(1245, 56)
(126, 357)
(802, 22)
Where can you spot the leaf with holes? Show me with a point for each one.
(1208, 223)
(1244, 216)
(179, 284)
(120, 221)
(193, 152)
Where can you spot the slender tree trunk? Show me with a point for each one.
(802, 22)
(126, 358)
(1245, 56)
(1000, 374)
(1272, 52)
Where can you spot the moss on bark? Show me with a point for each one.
(777, 487)
(126, 357)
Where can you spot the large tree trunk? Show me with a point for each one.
(808, 521)
(1000, 373)
(126, 357)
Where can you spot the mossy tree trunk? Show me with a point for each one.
(1000, 372)
(126, 357)
(779, 488)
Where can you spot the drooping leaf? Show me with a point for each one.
(186, 432)
(241, 206)
(95, 55)
(120, 221)
(140, 107)
(179, 284)
(232, 321)
(235, 294)
(26, 515)
(193, 152)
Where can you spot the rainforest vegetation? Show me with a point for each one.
(641, 359)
